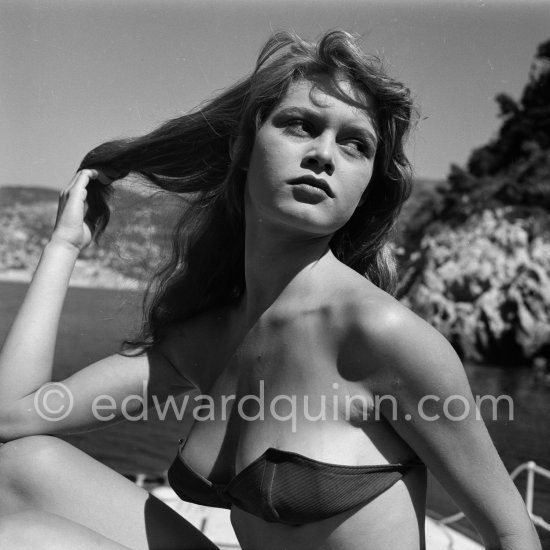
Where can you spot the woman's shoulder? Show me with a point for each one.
(383, 335)
(362, 306)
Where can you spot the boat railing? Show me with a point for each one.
(532, 469)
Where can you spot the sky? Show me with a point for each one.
(75, 73)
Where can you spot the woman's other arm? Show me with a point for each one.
(409, 360)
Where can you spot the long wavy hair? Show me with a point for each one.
(203, 155)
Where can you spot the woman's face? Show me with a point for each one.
(312, 159)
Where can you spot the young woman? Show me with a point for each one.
(278, 293)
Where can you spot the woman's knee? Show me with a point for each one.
(29, 461)
(32, 451)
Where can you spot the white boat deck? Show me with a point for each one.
(215, 524)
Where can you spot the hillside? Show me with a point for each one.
(132, 246)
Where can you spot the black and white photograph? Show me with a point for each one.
(274, 274)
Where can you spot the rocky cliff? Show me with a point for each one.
(478, 266)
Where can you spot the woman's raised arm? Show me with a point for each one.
(27, 405)
(435, 413)
(26, 359)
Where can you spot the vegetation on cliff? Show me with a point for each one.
(477, 265)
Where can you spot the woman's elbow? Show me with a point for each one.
(523, 537)
(15, 425)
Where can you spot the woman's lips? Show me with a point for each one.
(304, 192)
(315, 185)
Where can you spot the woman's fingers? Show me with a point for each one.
(103, 178)
(108, 174)
(76, 190)
(69, 224)
(81, 178)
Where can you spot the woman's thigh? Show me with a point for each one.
(47, 474)
(37, 530)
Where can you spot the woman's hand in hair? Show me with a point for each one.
(70, 228)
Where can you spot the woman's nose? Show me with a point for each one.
(320, 156)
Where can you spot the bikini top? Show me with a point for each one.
(285, 487)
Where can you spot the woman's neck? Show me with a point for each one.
(281, 266)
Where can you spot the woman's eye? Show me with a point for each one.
(359, 147)
(298, 127)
